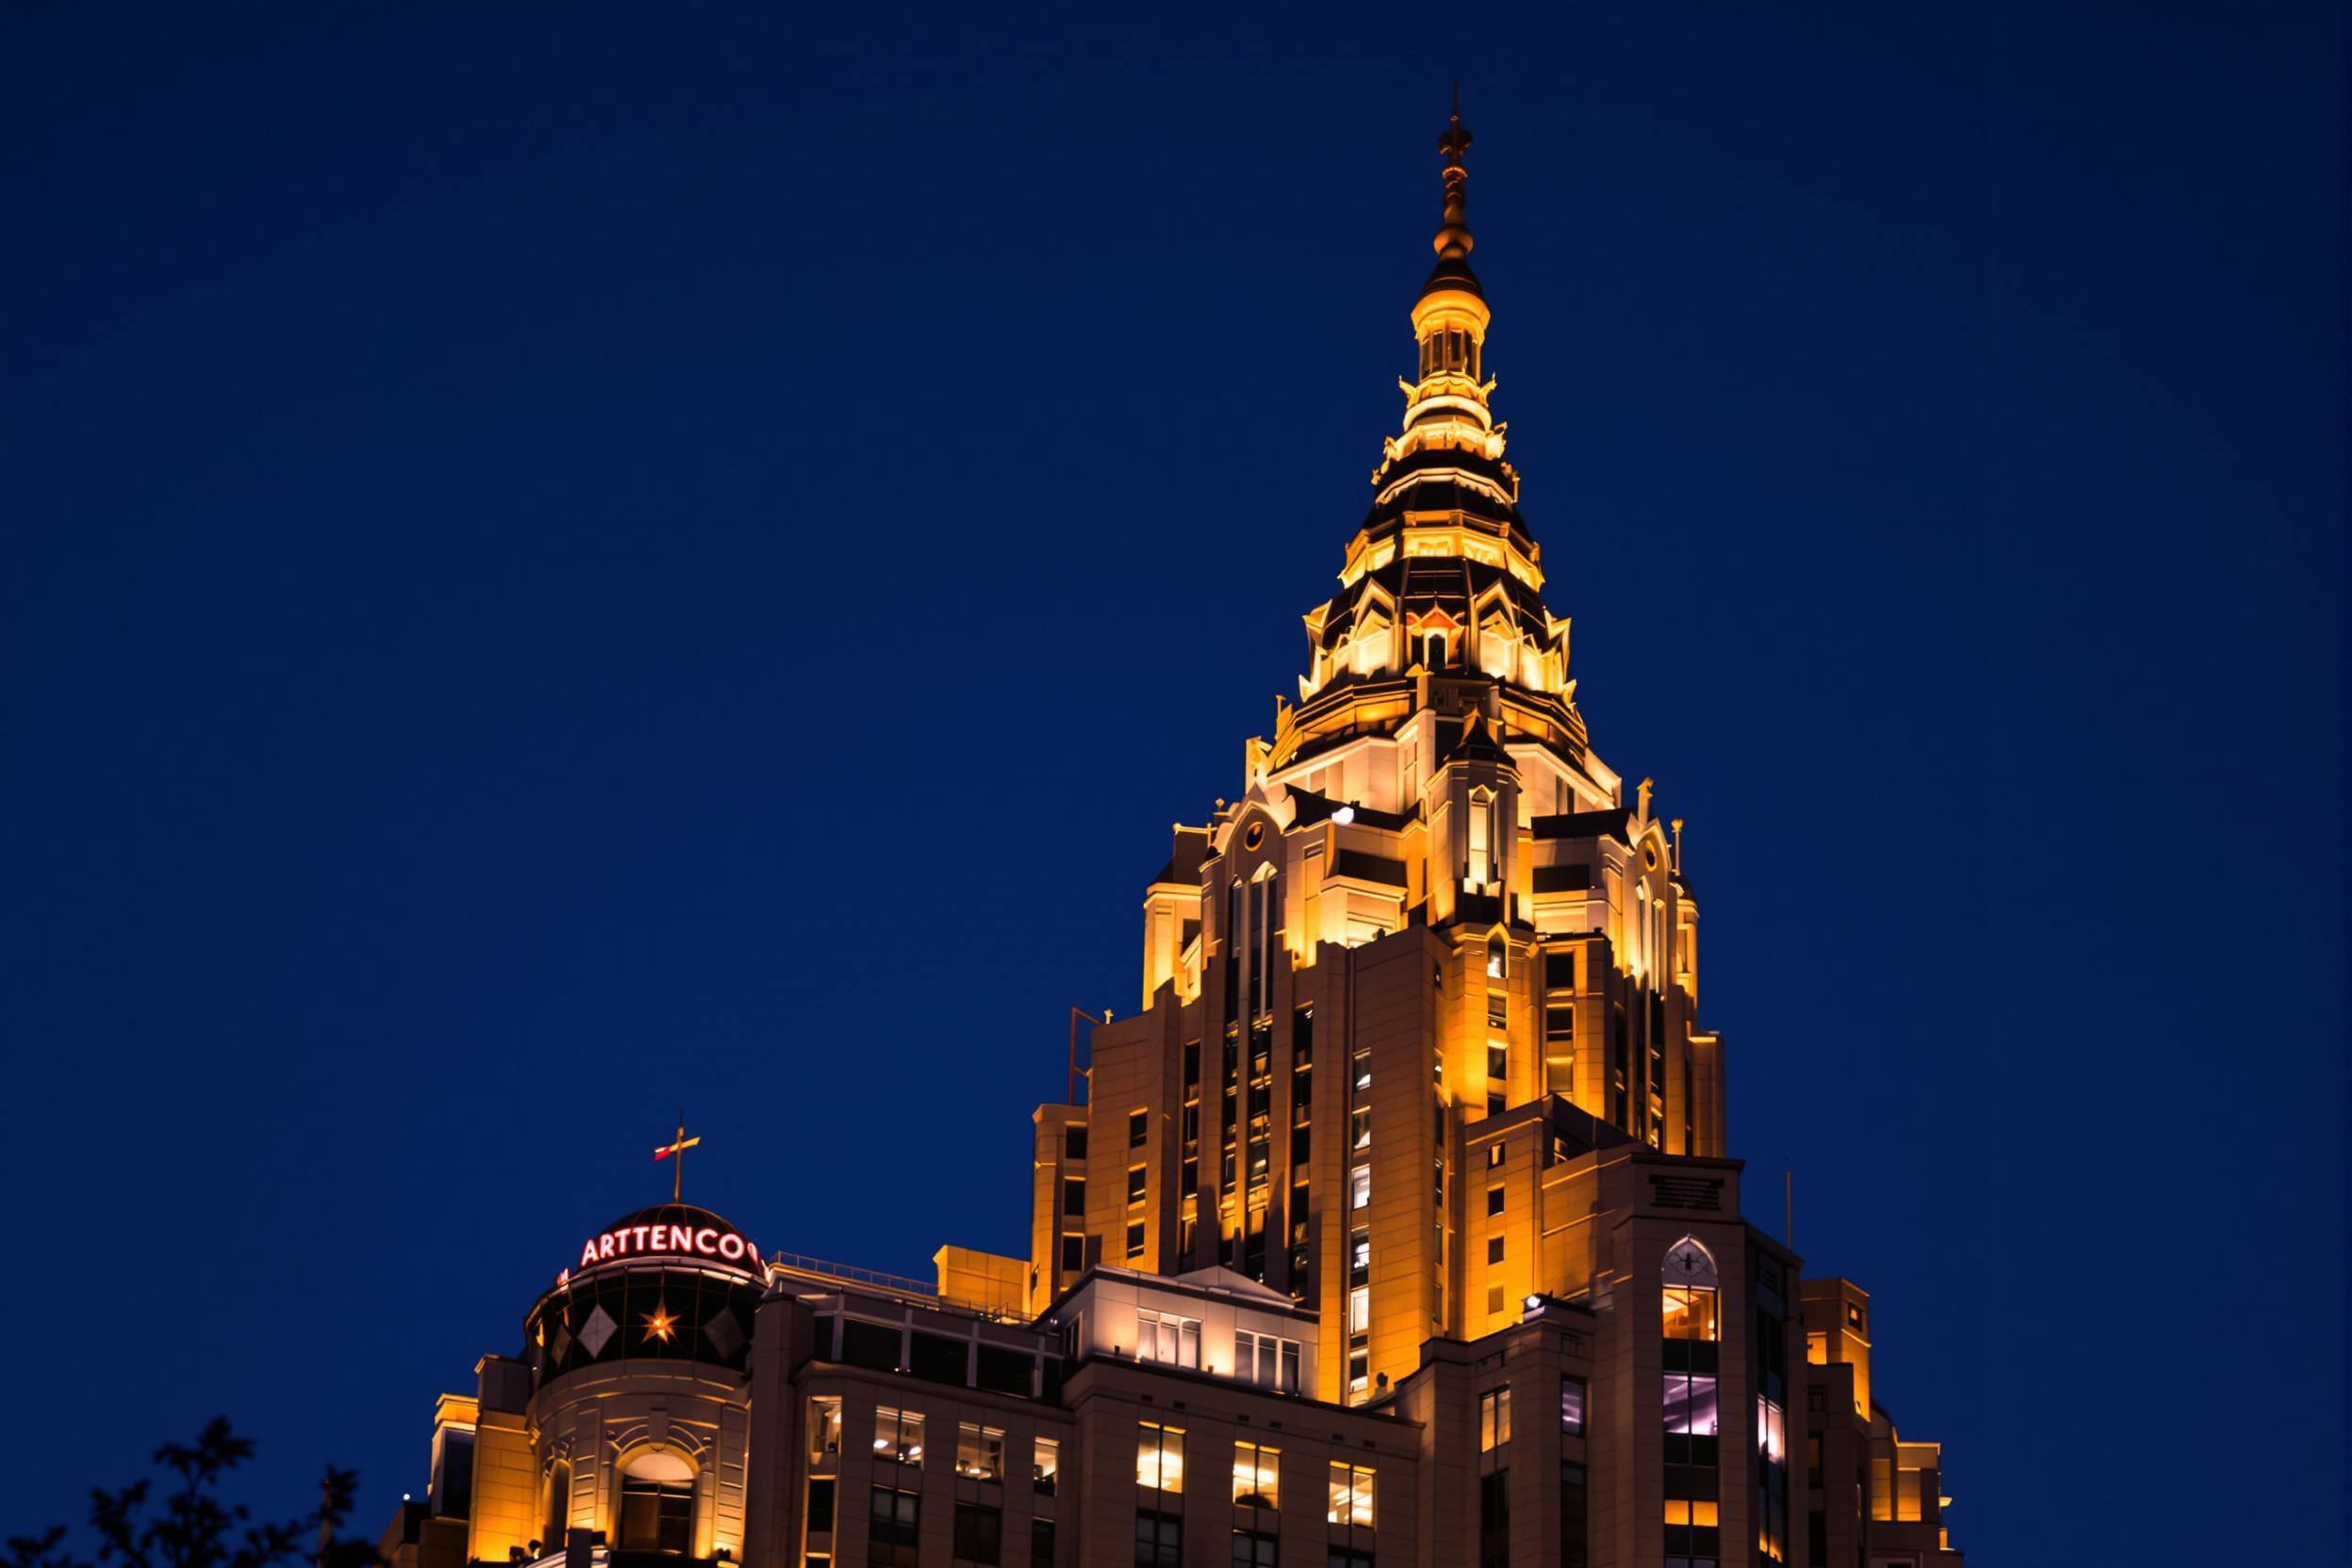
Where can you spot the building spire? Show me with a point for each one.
(1453, 241)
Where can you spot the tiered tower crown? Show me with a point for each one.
(1441, 593)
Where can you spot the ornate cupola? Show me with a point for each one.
(1446, 406)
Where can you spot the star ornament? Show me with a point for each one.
(659, 1324)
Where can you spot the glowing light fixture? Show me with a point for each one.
(1344, 815)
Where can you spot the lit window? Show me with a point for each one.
(1360, 1255)
(1495, 1154)
(1359, 1187)
(1572, 1406)
(1360, 1127)
(1168, 1339)
(1160, 1456)
(1772, 1431)
(1257, 1476)
(824, 1425)
(979, 1452)
(1351, 1494)
(1360, 1310)
(898, 1435)
(1498, 1011)
(1046, 1468)
(1690, 1292)
(1494, 1419)
(1691, 1404)
(1817, 1349)
(1497, 957)
(1700, 1512)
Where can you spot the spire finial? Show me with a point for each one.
(1453, 241)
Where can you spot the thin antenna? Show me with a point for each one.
(1789, 1207)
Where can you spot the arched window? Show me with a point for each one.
(657, 1504)
(1497, 957)
(559, 1506)
(1481, 825)
(1690, 1305)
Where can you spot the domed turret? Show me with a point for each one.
(671, 1282)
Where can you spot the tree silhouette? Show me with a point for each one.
(193, 1527)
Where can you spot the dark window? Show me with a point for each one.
(1494, 1249)
(1497, 1061)
(1074, 1196)
(979, 1534)
(940, 1360)
(1074, 1142)
(1255, 1549)
(1135, 1180)
(1816, 1539)
(1134, 1240)
(1040, 1543)
(1005, 1371)
(1493, 1200)
(897, 1518)
(820, 1506)
(1159, 1540)
(1495, 1520)
(453, 1487)
(869, 1344)
(1341, 1558)
(656, 1516)
(1560, 970)
(1574, 1553)
(1138, 1128)
(1073, 1254)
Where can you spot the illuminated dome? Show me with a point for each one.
(673, 1282)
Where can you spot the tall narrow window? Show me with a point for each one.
(1690, 1305)
(1572, 1406)
(1160, 1456)
(1494, 1419)
(1480, 835)
(1045, 1466)
(824, 1428)
(1350, 1494)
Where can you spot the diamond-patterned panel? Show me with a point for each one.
(725, 1333)
(597, 1330)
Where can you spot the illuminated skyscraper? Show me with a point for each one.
(1398, 1227)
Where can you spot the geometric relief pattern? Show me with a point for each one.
(597, 1330)
(726, 1334)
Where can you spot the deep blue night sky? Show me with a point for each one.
(558, 561)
